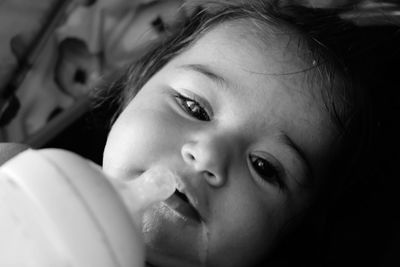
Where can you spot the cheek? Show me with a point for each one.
(245, 227)
(139, 138)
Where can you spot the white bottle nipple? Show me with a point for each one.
(156, 184)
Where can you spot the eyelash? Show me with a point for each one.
(270, 174)
(192, 107)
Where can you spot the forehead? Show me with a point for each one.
(258, 48)
(250, 53)
(259, 66)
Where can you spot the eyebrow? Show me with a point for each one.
(301, 155)
(207, 72)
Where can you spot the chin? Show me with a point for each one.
(172, 240)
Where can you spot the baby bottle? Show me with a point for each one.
(58, 209)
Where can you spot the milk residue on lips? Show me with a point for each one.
(161, 225)
(158, 223)
(158, 184)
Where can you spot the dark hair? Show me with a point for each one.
(339, 50)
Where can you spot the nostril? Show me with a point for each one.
(209, 174)
(215, 180)
(189, 157)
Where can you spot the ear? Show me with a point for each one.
(9, 150)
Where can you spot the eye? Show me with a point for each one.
(192, 107)
(266, 170)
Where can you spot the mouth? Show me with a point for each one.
(181, 204)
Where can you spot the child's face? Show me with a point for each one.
(248, 144)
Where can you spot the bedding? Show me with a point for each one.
(57, 51)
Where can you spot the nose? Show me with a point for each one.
(208, 156)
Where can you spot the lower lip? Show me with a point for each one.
(182, 208)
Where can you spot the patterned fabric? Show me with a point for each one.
(69, 46)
